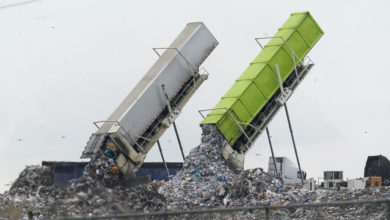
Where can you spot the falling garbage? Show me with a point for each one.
(206, 179)
(204, 182)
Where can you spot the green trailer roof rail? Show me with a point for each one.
(257, 87)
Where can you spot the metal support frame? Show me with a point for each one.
(166, 98)
(178, 140)
(293, 57)
(293, 141)
(289, 123)
(272, 152)
(269, 141)
(162, 157)
(192, 69)
(174, 124)
(203, 75)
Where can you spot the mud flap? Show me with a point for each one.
(234, 159)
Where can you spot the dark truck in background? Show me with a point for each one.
(378, 166)
(62, 172)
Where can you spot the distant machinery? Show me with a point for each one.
(286, 170)
(378, 166)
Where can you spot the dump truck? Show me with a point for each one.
(378, 166)
(61, 172)
(155, 102)
(249, 105)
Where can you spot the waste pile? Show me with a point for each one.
(202, 177)
(204, 182)
(97, 192)
(207, 181)
(103, 168)
(33, 178)
(81, 197)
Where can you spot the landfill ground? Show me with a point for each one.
(204, 182)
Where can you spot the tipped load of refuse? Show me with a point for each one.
(118, 148)
(99, 191)
(203, 175)
(207, 181)
(32, 178)
(204, 182)
(87, 195)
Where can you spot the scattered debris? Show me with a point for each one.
(204, 174)
(204, 182)
(83, 196)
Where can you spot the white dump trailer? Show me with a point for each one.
(357, 183)
(286, 170)
(156, 101)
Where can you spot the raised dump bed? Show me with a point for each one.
(156, 101)
(252, 98)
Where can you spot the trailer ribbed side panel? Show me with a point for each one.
(253, 89)
(142, 111)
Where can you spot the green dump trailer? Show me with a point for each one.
(249, 105)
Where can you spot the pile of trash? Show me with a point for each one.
(81, 197)
(204, 182)
(32, 178)
(207, 181)
(98, 191)
(202, 177)
(103, 168)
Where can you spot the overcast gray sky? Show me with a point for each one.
(65, 64)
